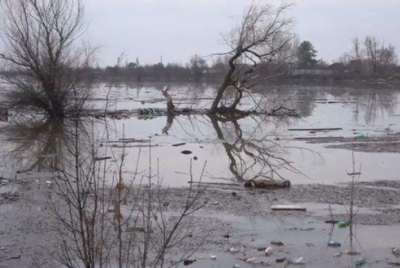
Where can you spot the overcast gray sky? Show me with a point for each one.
(177, 29)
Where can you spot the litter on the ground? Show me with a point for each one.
(251, 260)
(188, 262)
(342, 224)
(179, 144)
(334, 244)
(396, 251)
(288, 207)
(360, 262)
(299, 261)
(234, 250)
(276, 243)
(268, 251)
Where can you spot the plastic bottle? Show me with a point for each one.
(268, 251)
(334, 244)
(360, 262)
(342, 224)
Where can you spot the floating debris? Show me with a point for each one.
(178, 144)
(315, 129)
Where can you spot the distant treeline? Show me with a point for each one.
(169, 72)
(367, 59)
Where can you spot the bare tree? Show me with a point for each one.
(379, 56)
(356, 52)
(258, 41)
(371, 48)
(45, 68)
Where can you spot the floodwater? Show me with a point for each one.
(230, 151)
(233, 150)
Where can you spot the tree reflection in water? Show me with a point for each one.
(40, 146)
(253, 144)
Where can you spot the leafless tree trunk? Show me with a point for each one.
(262, 38)
(379, 56)
(40, 52)
(170, 103)
(371, 48)
(356, 52)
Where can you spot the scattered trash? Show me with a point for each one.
(334, 244)
(331, 221)
(261, 249)
(351, 253)
(288, 207)
(236, 266)
(49, 183)
(280, 260)
(360, 262)
(361, 135)
(227, 236)
(186, 152)
(315, 129)
(188, 262)
(213, 257)
(195, 158)
(102, 158)
(179, 144)
(216, 203)
(268, 251)
(342, 224)
(299, 261)
(277, 243)
(251, 260)
(396, 251)
(234, 250)
(150, 112)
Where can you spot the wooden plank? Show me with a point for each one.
(315, 129)
(214, 183)
(288, 207)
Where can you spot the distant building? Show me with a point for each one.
(355, 66)
(337, 68)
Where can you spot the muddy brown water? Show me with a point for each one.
(233, 151)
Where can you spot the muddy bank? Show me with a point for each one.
(250, 203)
(235, 224)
